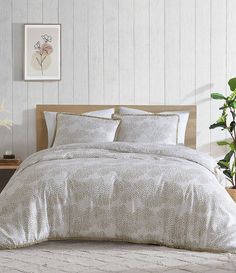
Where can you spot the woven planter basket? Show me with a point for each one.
(232, 193)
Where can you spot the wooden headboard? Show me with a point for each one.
(190, 138)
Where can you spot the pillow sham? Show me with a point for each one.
(51, 120)
(84, 129)
(160, 129)
(183, 119)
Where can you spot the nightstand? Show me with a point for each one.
(232, 193)
(6, 172)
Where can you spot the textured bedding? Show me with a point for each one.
(160, 194)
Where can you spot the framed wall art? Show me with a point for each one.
(42, 58)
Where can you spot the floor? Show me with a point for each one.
(100, 257)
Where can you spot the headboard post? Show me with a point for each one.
(190, 137)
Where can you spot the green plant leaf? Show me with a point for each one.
(224, 107)
(231, 97)
(228, 174)
(223, 164)
(221, 143)
(218, 124)
(217, 96)
(232, 84)
(234, 104)
(222, 118)
(232, 126)
(232, 146)
(228, 156)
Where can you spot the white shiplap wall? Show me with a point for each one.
(120, 52)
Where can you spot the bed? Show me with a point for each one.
(167, 195)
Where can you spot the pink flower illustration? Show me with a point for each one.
(46, 49)
(43, 50)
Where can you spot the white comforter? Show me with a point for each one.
(167, 195)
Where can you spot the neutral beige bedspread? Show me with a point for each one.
(168, 195)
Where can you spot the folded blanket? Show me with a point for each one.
(161, 194)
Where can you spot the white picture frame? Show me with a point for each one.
(42, 52)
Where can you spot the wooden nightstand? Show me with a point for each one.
(6, 172)
(232, 193)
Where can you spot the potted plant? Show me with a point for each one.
(227, 121)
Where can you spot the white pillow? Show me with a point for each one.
(183, 119)
(51, 120)
(148, 128)
(131, 111)
(84, 129)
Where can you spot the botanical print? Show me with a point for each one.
(42, 53)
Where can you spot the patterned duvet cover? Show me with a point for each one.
(142, 193)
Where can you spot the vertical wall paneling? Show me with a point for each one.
(230, 44)
(111, 56)
(19, 87)
(157, 28)
(126, 51)
(6, 71)
(96, 68)
(81, 52)
(121, 51)
(50, 15)
(230, 39)
(203, 67)
(187, 51)
(218, 69)
(66, 85)
(172, 50)
(34, 88)
(141, 51)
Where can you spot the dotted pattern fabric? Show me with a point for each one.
(160, 194)
(84, 129)
(160, 129)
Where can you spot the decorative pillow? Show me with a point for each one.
(183, 119)
(51, 120)
(161, 129)
(84, 129)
